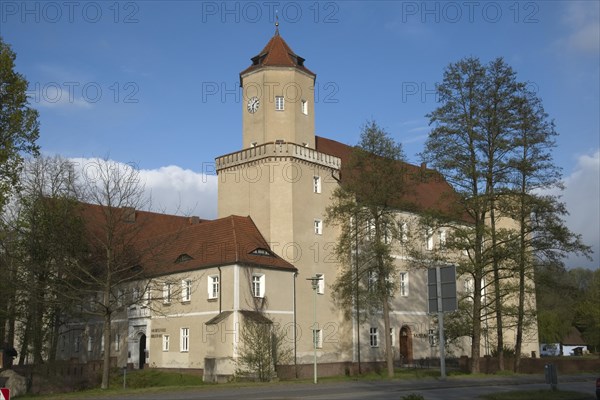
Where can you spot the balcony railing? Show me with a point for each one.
(283, 149)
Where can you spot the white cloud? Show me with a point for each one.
(582, 197)
(171, 189)
(177, 190)
(583, 22)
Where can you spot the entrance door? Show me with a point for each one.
(142, 351)
(406, 353)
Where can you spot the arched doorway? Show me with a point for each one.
(142, 347)
(406, 350)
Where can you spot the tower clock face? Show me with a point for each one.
(253, 104)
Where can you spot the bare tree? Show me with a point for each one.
(115, 246)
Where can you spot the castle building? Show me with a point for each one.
(256, 259)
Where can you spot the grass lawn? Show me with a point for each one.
(538, 395)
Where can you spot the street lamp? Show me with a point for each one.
(315, 285)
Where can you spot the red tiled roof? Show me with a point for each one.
(218, 242)
(277, 53)
(159, 240)
(429, 192)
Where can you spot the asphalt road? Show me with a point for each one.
(430, 389)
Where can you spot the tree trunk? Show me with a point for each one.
(497, 294)
(106, 361)
(389, 355)
(522, 265)
(476, 344)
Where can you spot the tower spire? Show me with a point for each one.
(276, 22)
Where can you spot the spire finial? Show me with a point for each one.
(276, 22)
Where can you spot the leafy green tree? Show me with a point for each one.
(454, 149)
(19, 127)
(364, 206)
(542, 237)
(50, 242)
(492, 142)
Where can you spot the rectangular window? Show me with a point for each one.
(184, 344)
(258, 285)
(304, 107)
(213, 286)
(320, 284)
(371, 280)
(316, 184)
(374, 337)
(167, 293)
(317, 338)
(429, 239)
(102, 344)
(403, 283)
(120, 296)
(392, 336)
(117, 342)
(404, 232)
(318, 227)
(442, 238)
(186, 290)
(165, 344)
(90, 344)
(279, 103)
(469, 288)
(77, 343)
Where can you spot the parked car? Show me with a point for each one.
(598, 388)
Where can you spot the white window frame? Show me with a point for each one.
(318, 226)
(135, 295)
(279, 103)
(393, 336)
(186, 290)
(304, 106)
(429, 244)
(167, 292)
(90, 344)
(371, 280)
(165, 342)
(120, 295)
(317, 338)
(404, 283)
(320, 283)
(102, 343)
(373, 336)
(77, 343)
(184, 340)
(404, 232)
(214, 286)
(316, 184)
(258, 285)
(117, 342)
(442, 238)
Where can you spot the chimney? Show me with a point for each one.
(194, 220)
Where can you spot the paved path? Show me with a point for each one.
(430, 389)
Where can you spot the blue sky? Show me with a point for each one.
(156, 82)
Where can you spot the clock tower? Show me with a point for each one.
(278, 97)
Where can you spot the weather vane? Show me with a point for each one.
(276, 22)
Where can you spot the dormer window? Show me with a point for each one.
(183, 257)
(261, 252)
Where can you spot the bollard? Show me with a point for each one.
(551, 376)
